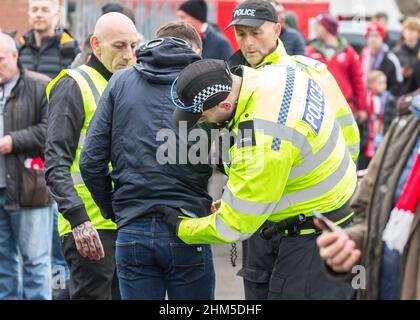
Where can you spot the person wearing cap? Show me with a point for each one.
(258, 33)
(343, 62)
(378, 56)
(289, 158)
(133, 118)
(215, 43)
(291, 38)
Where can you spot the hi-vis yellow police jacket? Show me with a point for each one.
(290, 157)
(323, 77)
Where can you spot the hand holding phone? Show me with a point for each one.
(320, 221)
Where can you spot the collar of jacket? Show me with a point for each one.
(98, 66)
(248, 86)
(61, 37)
(278, 56)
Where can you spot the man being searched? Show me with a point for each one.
(87, 238)
(257, 37)
(134, 116)
(289, 158)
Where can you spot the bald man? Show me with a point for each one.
(88, 240)
(25, 205)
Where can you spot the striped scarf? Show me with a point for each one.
(398, 227)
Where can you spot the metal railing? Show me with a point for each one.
(149, 15)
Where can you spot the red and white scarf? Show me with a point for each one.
(398, 227)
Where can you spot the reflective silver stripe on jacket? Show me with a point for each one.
(228, 233)
(77, 178)
(307, 194)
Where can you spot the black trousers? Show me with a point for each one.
(287, 267)
(90, 279)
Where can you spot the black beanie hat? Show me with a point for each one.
(196, 9)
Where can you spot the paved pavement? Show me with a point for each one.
(229, 286)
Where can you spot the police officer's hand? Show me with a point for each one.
(170, 215)
(337, 249)
(88, 242)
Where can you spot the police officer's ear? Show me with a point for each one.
(226, 105)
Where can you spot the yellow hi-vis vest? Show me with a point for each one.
(290, 157)
(92, 84)
(323, 77)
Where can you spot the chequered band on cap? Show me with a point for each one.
(208, 92)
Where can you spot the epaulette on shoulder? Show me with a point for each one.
(311, 63)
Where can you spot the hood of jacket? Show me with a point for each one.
(162, 63)
(319, 46)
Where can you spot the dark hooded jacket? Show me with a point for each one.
(133, 129)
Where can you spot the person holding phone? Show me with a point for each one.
(385, 239)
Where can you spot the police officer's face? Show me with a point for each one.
(42, 15)
(257, 43)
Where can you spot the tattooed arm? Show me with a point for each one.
(87, 241)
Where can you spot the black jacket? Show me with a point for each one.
(215, 45)
(293, 41)
(408, 57)
(66, 116)
(24, 117)
(130, 129)
(392, 69)
(56, 53)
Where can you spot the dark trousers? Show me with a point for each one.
(287, 267)
(90, 279)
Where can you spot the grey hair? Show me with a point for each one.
(56, 4)
(9, 42)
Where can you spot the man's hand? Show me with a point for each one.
(88, 242)
(361, 116)
(170, 216)
(337, 249)
(6, 145)
(215, 206)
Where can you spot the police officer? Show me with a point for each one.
(257, 33)
(289, 158)
(88, 240)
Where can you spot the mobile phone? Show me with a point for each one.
(322, 220)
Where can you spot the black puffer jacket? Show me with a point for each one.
(25, 121)
(56, 53)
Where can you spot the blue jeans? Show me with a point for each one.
(25, 244)
(152, 261)
(57, 260)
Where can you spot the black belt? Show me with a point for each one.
(300, 224)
